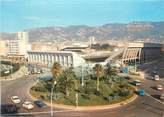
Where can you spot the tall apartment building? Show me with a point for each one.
(18, 46)
(3, 48)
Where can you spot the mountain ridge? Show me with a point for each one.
(153, 31)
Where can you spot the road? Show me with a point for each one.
(142, 107)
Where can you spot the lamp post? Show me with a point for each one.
(135, 65)
(82, 76)
(77, 100)
(11, 69)
(52, 96)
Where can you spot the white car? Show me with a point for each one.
(159, 87)
(156, 78)
(15, 99)
(28, 105)
(162, 96)
(137, 82)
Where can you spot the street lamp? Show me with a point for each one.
(52, 96)
(82, 76)
(77, 100)
(11, 69)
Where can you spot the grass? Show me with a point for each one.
(86, 96)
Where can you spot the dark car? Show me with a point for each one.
(40, 104)
(9, 109)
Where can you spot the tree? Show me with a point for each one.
(99, 73)
(109, 72)
(68, 80)
(56, 70)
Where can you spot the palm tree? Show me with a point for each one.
(68, 80)
(56, 70)
(99, 72)
(110, 73)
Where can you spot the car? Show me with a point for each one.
(154, 72)
(9, 109)
(162, 96)
(26, 74)
(159, 87)
(137, 82)
(40, 104)
(156, 78)
(15, 99)
(141, 92)
(28, 105)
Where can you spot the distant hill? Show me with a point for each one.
(153, 31)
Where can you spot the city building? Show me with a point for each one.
(18, 46)
(65, 58)
(137, 52)
(142, 52)
(3, 48)
(47, 46)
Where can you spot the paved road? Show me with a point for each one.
(142, 107)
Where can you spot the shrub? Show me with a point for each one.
(39, 89)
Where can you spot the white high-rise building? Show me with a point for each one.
(18, 46)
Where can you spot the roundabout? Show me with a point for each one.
(142, 106)
(101, 89)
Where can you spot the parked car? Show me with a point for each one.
(137, 82)
(162, 96)
(15, 99)
(9, 109)
(141, 92)
(156, 78)
(28, 105)
(40, 104)
(159, 87)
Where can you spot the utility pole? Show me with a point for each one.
(52, 96)
(82, 76)
(135, 65)
(77, 100)
(11, 69)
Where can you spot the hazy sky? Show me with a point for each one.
(17, 15)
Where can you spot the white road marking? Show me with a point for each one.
(154, 98)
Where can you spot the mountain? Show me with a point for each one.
(151, 31)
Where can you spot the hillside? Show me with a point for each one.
(153, 31)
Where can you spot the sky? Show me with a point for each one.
(18, 15)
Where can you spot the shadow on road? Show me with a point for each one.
(157, 108)
(156, 96)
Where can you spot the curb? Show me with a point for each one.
(86, 108)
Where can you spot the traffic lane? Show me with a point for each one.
(159, 67)
(20, 87)
(128, 109)
(150, 87)
(140, 107)
(15, 87)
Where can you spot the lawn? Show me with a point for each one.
(87, 95)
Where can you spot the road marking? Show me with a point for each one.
(131, 107)
(147, 108)
(154, 98)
